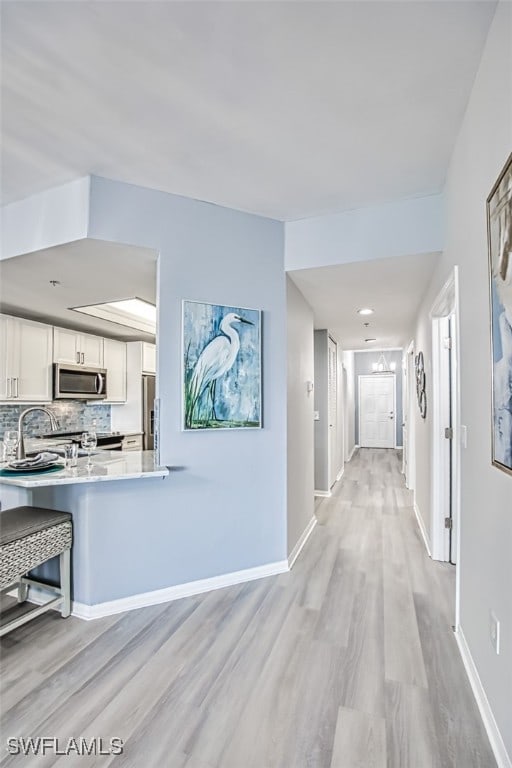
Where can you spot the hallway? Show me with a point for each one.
(348, 661)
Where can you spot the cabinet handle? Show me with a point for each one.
(83, 358)
(9, 388)
(78, 358)
(17, 390)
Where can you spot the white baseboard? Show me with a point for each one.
(352, 453)
(301, 542)
(423, 530)
(340, 474)
(167, 594)
(498, 747)
(324, 494)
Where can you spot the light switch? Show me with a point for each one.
(463, 436)
(316, 415)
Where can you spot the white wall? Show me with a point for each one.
(55, 216)
(481, 150)
(300, 451)
(400, 228)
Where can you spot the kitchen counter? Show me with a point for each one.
(106, 466)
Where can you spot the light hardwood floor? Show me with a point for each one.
(349, 661)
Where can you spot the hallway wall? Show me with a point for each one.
(481, 150)
(350, 404)
(300, 439)
(321, 425)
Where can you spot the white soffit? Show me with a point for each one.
(393, 288)
(285, 109)
(89, 272)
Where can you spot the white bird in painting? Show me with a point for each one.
(215, 360)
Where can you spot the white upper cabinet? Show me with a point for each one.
(75, 348)
(148, 358)
(25, 360)
(115, 362)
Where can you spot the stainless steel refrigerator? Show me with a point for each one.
(148, 412)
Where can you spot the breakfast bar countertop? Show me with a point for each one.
(106, 465)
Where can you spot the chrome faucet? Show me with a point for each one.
(54, 424)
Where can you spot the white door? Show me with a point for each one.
(34, 379)
(66, 346)
(115, 362)
(377, 411)
(91, 352)
(333, 411)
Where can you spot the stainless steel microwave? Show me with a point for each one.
(74, 382)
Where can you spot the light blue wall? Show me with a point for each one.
(400, 228)
(363, 365)
(225, 510)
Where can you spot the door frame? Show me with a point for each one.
(332, 475)
(410, 411)
(375, 376)
(446, 305)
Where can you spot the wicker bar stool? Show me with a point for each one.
(29, 536)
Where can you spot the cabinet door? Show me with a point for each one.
(5, 373)
(91, 351)
(34, 370)
(66, 346)
(148, 358)
(115, 362)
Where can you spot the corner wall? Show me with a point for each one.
(481, 150)
(223, 508)
(300, 452)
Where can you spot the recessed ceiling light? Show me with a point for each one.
(365, 311)
(135, 313)
(369, 341)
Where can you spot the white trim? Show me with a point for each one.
(324, 494)
(340, 474)
(447, 303)
(423, 530)
(376, 349)
(352, 452)
(168, 594)
(308, 530)
(495, 738)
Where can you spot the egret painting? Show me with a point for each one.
(221, 367)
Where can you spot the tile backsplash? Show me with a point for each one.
(73, 415)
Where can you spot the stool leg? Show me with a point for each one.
(65, 582)
(22, 591)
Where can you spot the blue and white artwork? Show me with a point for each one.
(221, 367)
(499, 213)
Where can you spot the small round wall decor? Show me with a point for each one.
(420, 385)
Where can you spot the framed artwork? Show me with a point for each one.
(221, 367)
(499, 236)
(421, 385)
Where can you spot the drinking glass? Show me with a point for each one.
(89, 443)
(71, 455)
(10, 444)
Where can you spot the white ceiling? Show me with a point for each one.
(90, 272)
(286, 109)
(393, 288)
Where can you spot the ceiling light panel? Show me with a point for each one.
(133, 313)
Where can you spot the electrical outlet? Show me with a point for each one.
(494, 628)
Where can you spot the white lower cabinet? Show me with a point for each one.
(114, 356)
(25, 360)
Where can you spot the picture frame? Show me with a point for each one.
(221, 367)
(421, 384)
(499, 245)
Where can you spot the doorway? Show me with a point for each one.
(377, 408)
(446, 427)
(332, 379)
